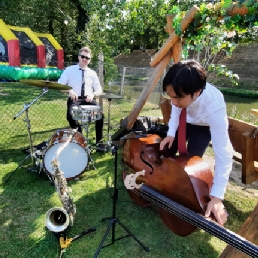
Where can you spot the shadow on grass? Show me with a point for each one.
(144, 224)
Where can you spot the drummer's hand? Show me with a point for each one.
(73, 95)
(88, 99)
(168, 140)
(216, 207)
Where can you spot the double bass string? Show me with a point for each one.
(198, 220)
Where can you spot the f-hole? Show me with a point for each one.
(146, 163)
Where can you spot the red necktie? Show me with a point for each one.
(182, 133)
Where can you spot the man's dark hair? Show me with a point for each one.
(186, 77)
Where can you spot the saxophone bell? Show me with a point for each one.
(57, 219)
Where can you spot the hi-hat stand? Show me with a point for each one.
(34, 159)
(114, 220)
(108, 145)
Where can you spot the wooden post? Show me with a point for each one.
(168, 28)
(177, 51)
(165, 104)
(248, 170)
(254, 111)
(151, 83)
(249, 232)
(237, 9)
(101, 69)
(101, 76)
(122, 81)
(177, 46)
(173, 37)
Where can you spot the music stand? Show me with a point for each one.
(113, 220)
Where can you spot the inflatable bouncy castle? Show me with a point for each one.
(25, 54)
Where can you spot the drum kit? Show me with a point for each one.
(75, 157)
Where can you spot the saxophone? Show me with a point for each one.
(58, 219)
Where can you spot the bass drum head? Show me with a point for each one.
(73, 159)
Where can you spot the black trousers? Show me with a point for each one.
(198, 138)
(75, 124)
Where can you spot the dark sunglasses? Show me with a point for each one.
(82, 56)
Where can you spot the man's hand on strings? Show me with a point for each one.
(218, 209)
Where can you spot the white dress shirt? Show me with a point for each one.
(209, 109)
(72, 76)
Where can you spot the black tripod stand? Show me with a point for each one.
(114, 220)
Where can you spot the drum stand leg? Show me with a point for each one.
(114, 220)
(89, 149)
(90, 158)
(107, 146)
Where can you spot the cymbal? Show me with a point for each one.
(48, 84)
(110, 96)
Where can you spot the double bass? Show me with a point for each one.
(179, 186)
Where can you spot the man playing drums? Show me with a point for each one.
(85, 86)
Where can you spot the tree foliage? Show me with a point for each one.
(215, 32)
(116, 26)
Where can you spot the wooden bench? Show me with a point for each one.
(248, 231)
(244, 138)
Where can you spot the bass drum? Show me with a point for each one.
(73, 158)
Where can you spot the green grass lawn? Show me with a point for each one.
(27, 196)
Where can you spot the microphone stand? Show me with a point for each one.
(27, 120)
(114, 220)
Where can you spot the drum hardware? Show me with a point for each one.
(91, 161)
(113, 220)
(88, 148)
(34, 158)
(86, 114)
(108, 145)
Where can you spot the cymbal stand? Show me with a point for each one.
(35, 163)
(108, 145)
(114, 220)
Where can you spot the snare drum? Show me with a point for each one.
(86, 113)
(73, 158)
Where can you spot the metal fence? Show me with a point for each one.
(43, 113)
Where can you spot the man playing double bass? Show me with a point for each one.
(206, 120)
